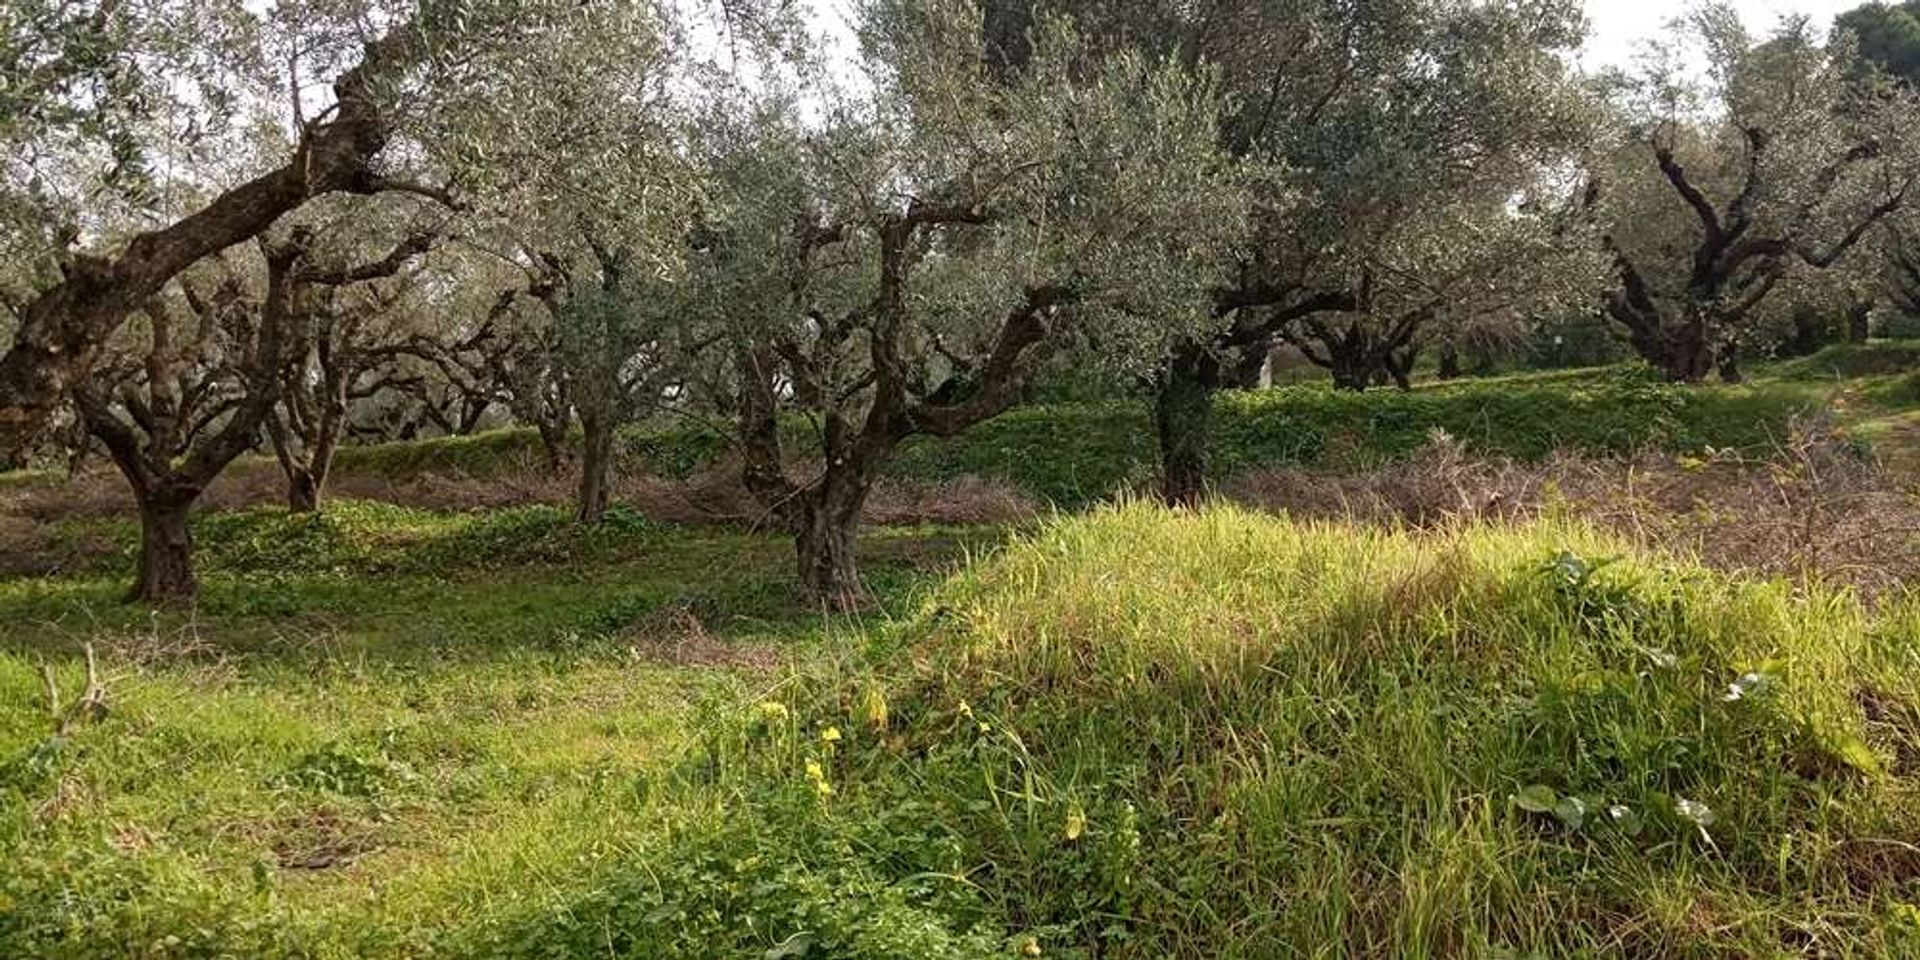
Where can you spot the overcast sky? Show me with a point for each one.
(1618, 26)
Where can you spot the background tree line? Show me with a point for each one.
(226, 230)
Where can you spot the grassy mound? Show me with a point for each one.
(1151, 734)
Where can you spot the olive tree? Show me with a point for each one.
(350, 332)
(905, 267)
(1383, 119)
(106, 260)
(190, 388)
(1718, 192)
(1453, 273)
(223, 88)
(593, 196)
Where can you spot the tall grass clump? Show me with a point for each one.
(1143, 733)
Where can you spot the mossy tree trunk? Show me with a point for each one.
(596, 458)
(1183, 415)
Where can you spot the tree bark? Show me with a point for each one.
(1249, 371)
(1728, 364)
(553, 442)
(165, 573)
(1400, 368)
(303, 491)
(824, 536)
(62, 329)
(1183, 415)
(1859, 321)
(1352, 377)
(1681, 352)
(595, 459)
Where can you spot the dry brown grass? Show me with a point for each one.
(674, 634)
(1814, 508)
(713, 495)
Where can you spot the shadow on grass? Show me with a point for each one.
(367, 579)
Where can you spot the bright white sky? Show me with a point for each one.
(1617, 27)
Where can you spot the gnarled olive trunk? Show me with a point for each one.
(1680, 352)
(305, 462)
(1399, 367)
(303, 490)
(1728, 364)
(1183, 416)
(825, 526)
(1354, 377)
(165, 572)
(553, 442)
(1859, 322)
(596, 457)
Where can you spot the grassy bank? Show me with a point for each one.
(1133, 733)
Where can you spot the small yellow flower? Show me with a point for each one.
(830, 735)
(772, 711)
(1076, 822)
(1031, 947)
(874, 704)
(818, 777)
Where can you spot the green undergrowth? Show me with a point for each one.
(1131, 733)
(1159, 735)
(357, 537)
(333, 759)
(1074, 453)
(425, 582)
(1853, 360)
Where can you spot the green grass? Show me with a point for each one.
(1074, 453)
(1853, 360)
(1132, 733)
(408, 579)
(1150, 734)
(381, 727)
(392, 732)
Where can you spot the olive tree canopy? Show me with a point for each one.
(1717, 192)
(905, 265)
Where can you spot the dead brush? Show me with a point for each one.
(1441, 482)
(712, 494)
(674, 634)
(1812, 507)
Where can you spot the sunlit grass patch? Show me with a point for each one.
(1145, 733)
(1131, 733)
